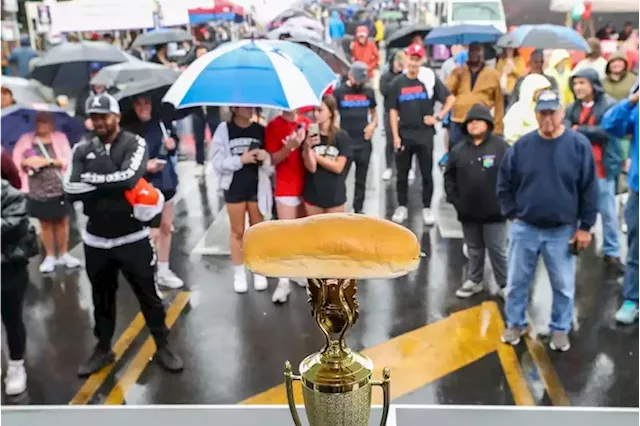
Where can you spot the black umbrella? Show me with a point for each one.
(66, 66)
(402, 37)
(162, 36)
(334, 58)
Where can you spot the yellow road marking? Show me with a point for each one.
(550, 378)
(511, 365)
(422, 356)
(133, 371)
(93, 382)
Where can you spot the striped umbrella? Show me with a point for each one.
(262, 73)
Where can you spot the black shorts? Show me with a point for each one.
(168, 196)
(49, 210)
(231, 198)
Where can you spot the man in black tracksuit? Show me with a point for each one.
(104, 165)
(357, 106)
(396, 65)
(470, 182)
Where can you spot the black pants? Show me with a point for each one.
(388, 149)
(200, 123)
(361, 156)
(15, 279)
(424, 152)
(137, 261)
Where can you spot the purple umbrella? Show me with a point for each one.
(19, 119)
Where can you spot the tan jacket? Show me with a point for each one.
(487, 92)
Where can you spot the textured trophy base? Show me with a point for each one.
(338, 409)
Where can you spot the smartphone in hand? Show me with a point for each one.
(314, 129)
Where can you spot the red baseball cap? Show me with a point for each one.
(415, 50)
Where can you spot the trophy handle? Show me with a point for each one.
(289, 377)
(385, 384)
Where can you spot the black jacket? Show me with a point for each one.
(471, 175)
(19, 241)
(99, 177)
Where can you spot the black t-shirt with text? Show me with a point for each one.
(411, 98)
(324, 188)
(354, 104)
(245, 180)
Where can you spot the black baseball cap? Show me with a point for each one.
(548, 100)
(103, 103)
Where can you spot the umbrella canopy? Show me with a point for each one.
(598, 6)
(335, 59)
(306, 23)
(133, 71)
(19, 119)
(162, 36)
(28, 91)
(263, 73)
(66, 66)
(544, 36)
(287, 32)
(286, 15)
(463, 34)
(402, 37)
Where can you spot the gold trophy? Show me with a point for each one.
(334, 250)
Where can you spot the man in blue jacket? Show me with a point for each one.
(584, 116)
(620, 121)
(336, 27)
(547, 186)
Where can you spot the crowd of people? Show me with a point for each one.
(534, 154)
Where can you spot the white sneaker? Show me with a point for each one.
(468, 289)
(199, 171)
(240, 282)
(412, 175)
(302, 282)
(427, 217)
(169, 279)
(16, 381)
(48, 265)
(281, 295)
(387, 174)
(400, 215)
(69, 261)
(260, 283)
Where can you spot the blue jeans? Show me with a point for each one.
(527, 243)
(630, 291)
(607, 208)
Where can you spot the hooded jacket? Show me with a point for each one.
(622, 120)
(336, 26)
(561, 78)
(471, 174)
(619, 89)
(521, 117)
(367, 53)
(611, 151)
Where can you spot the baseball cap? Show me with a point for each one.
(362, 30)
(415, 50)
(548, 100)
(103, 103)
(360, 72)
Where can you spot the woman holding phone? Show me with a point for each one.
(325, 154)
(161, 172)
(242, 167)
(283, 139)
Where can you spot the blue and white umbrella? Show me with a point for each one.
(261, 73)
(544, 36)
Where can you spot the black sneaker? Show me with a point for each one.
(168, 360)
(96, 362)
(614, 264)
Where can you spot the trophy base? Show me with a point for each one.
(338, 409)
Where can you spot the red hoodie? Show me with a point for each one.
(367, 53)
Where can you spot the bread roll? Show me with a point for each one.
(335, 245)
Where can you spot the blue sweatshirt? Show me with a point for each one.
(620, 121)
(549, 183)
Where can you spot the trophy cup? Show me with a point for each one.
(332, 251)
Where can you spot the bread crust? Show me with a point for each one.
(335, 245)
